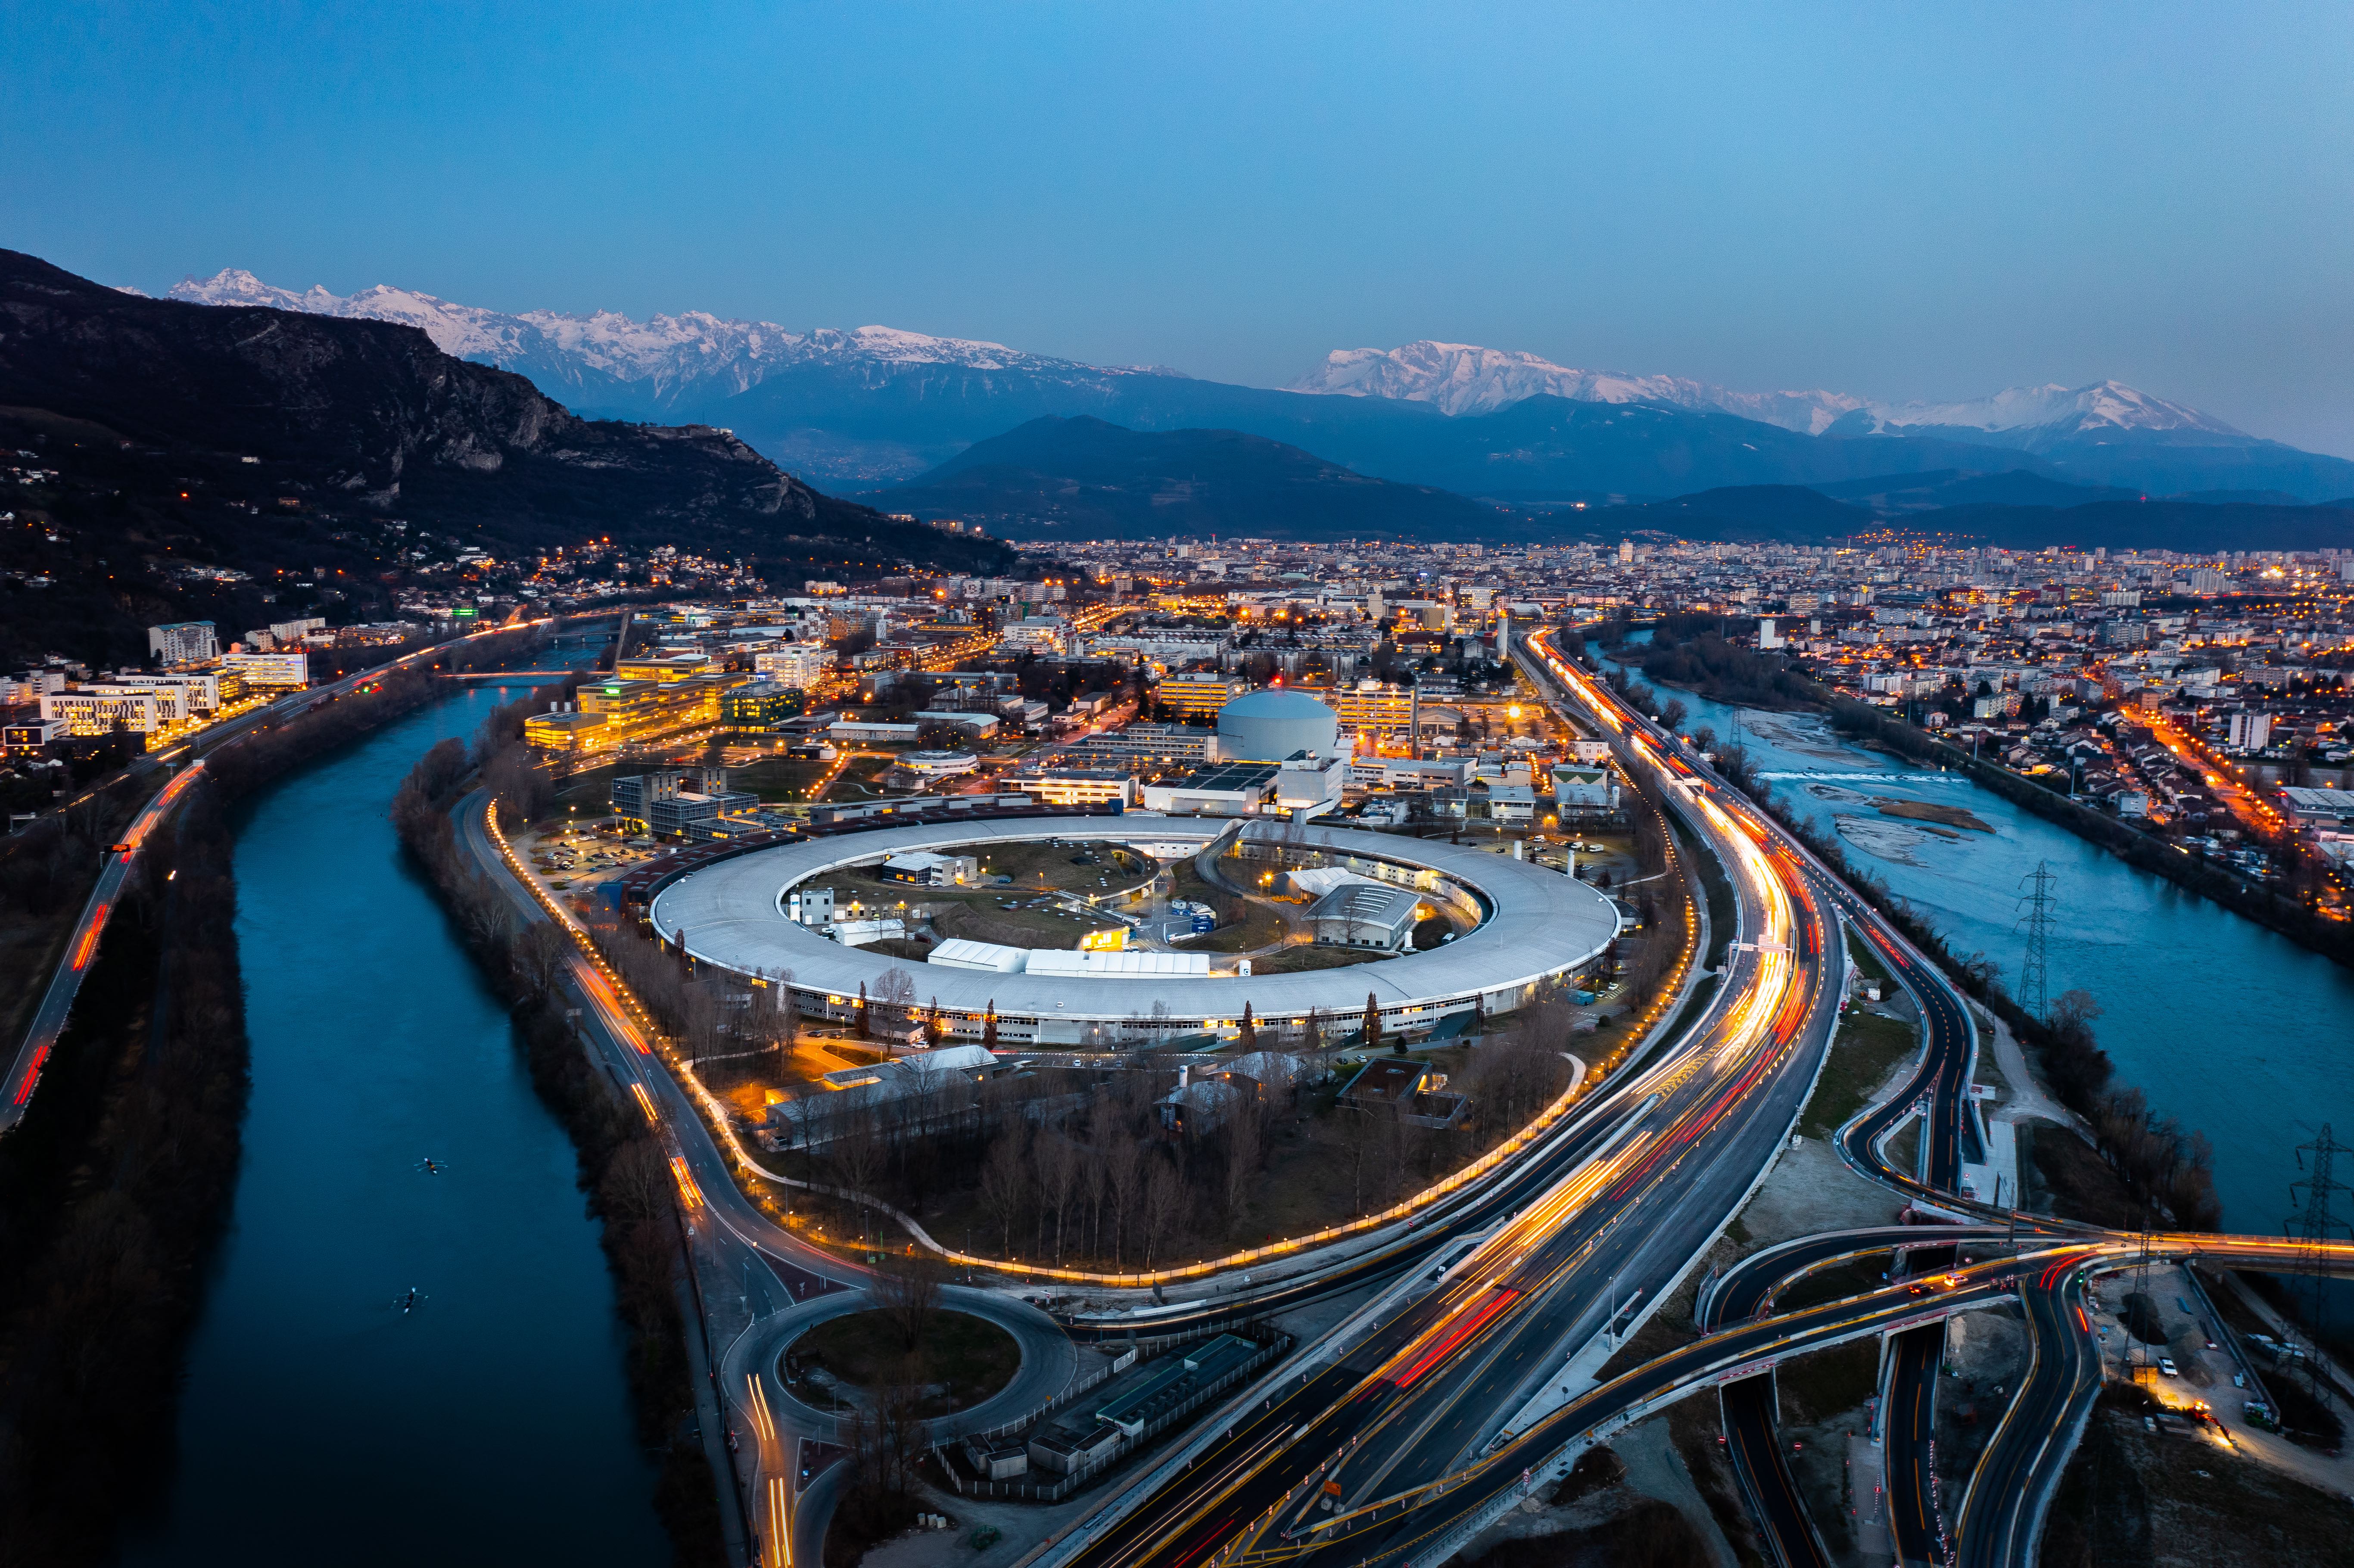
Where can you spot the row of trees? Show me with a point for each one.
(2166, 1166)
(621, 1166)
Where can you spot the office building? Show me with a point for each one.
(184, 642)
(270, 669)
(760, 707)
(671, 804)
(802, 664)
(1198, 696)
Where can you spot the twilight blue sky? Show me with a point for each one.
(1914, 200)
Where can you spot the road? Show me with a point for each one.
(739, 1250)
(57, 1003)
(48, 1021)
(1439, 1375)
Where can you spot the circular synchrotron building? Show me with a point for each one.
(1528, 925)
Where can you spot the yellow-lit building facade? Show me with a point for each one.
(1198, 696)
(1372, 707)
(614, 712)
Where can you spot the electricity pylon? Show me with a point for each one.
(2314, 1223)
(2034, 980)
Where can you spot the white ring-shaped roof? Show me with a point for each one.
(1543, 924)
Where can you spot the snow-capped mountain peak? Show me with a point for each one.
(2060, 410)
(606, 356)
(1464, 378)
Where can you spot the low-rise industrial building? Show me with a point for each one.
(1366, 914)
(922, 868)
(664, 805)
(1076, 786)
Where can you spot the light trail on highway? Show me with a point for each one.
(1400, 1410)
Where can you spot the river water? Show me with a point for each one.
(318, 1422)
(2240, 1033)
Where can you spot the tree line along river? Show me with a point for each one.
(318, 1421)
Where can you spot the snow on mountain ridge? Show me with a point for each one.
(668, 354)
(1464, 378)
(2103, 404)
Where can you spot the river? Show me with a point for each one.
(318, 1422)
(2239, 1032)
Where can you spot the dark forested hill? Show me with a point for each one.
(1081, 478)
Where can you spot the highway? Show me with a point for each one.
(1436, 1376)
(48, 1021)
(65, 984)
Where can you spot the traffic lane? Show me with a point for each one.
(1946, 1067)
(48, 1021)
(2003, 1510)
(1227, 1479)
(1919, 1354)
(1732, 1353)
(1753, 1442)
(1597, 1245)
(1637, 1250)
(1751, 1286)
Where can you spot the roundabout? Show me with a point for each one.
(1529, 926)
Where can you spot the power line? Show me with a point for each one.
(2034, 980)
(2314, 1223)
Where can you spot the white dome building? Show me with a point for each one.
(1268, 726)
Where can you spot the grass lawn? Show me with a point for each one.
(1868, 1048)
(1860, 952)
(972, 1356)
(1309, 956)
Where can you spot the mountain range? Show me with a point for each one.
(277, 443)
(875, 406)
(1081, 478)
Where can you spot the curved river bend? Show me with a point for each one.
(318, 1422)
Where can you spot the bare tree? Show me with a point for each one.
(540, 955)
(1357, 1139)
(1058, 1175)
(637, 1185)
(1091, 1176)
(782, 1019)
(1245, 1149)
(1164, 1201)
(858, 1153)
(908, 1290)
(895, 993)
(1123, 1167)
(1004, 1183)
